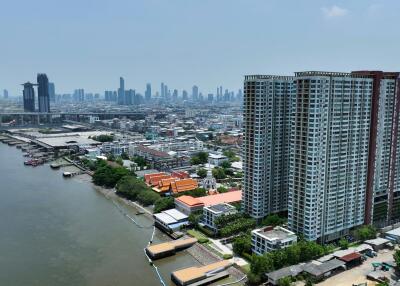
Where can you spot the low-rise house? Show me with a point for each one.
(189, 204)
(291, 271)
(393, 235)
(211, 213)
(352, 259)
(217, 159)
(171, 220)
(320, 271)
(317, 270)
(267, 239)
(377, 243)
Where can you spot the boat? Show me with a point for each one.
(54, 166)
(67, 174)
(28, 163)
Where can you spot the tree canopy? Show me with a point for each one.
(103, 138)
(202, 173)
(365, 232)
(199, 158)
(108, 176)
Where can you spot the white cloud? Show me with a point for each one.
(334, 11)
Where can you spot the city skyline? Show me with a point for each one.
(259, 44)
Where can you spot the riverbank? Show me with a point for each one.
(86, 216)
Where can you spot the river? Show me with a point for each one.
(57, 231)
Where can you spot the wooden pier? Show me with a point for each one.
(165, 249)
(201, 275)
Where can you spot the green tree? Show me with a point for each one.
(108, 176)
(286, 281)
(119, 161)
(163, 204)
(130, 187)
(343, 243)
(103, 138)
(140, 161)
(226, 164)
(396, 257)
(222, 190)
(125, 156)
(195, 217)
(199, 158)
(273, 220)
(231, 155)
(218, 173)
(202, 173)
(242, 244)
(365, 232)
(147, 198)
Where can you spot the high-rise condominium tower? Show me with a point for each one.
(29, 97)
(147, 94)
(52, 92)
(265, 148)
(329, 141)
(43, 92)
(329, 153)
(383, 182)
(121, 92)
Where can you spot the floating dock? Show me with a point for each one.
(165, 249)
(201, 275)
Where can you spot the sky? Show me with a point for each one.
(90, 43)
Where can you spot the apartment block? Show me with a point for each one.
(383, 184)
(329, 153)
(265, 148)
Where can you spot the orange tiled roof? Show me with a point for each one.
(153, 181)
(164, 185)
(228, 197)
(147, 177)
(180, 174)
(190, 201)
(184, 185)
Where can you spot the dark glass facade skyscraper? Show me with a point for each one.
(43, 92)
(29, 97)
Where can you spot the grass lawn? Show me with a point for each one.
(198, 235)
(246, 268)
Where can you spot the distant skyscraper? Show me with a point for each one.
(43, 92)
(121, 92)
(165, 91)
(130, 97)
(162, 90)
(108, 94)
(79, 95)
(147, 94)
(185, 95)
(210, 97)
(52, 92)
(29, 97)
(195, 93)
(5, 94)
(175, 95)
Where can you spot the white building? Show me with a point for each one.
(211, 213)
(171, 220)
(268, 239)
(216, 159)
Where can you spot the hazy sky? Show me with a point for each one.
(89, 44)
